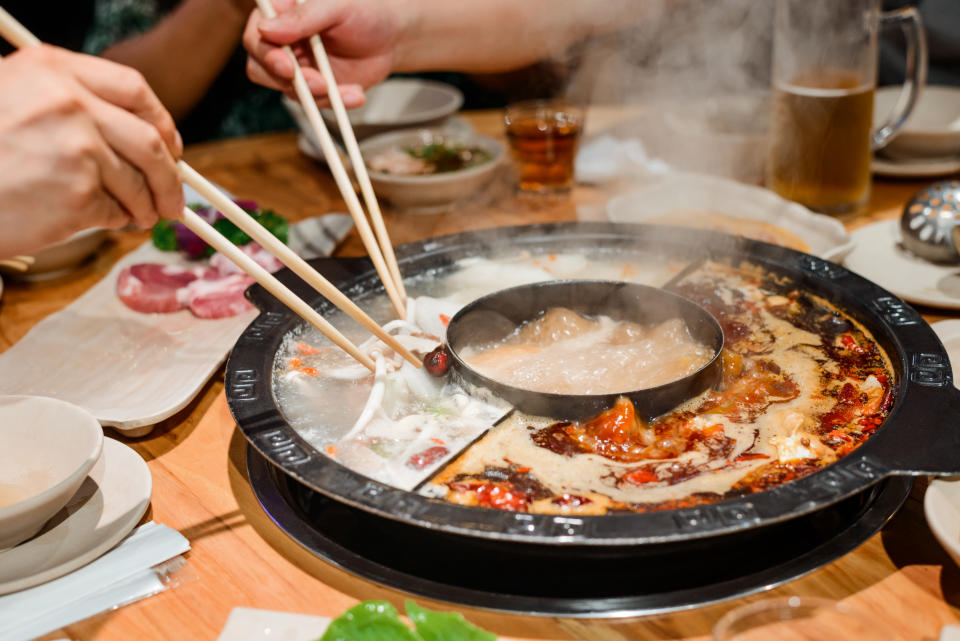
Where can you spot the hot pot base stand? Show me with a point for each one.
(565, 581)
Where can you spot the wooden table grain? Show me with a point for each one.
(240, 558)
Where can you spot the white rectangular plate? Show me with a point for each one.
(131, 370)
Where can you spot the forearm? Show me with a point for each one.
(183, 54)
(500, 35)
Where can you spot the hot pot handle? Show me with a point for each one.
(926, 441)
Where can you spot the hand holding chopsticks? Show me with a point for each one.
(390, 276)
(356, 158)
(19, 36)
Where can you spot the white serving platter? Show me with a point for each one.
(133, 370)
(878, 256)
(825, 236)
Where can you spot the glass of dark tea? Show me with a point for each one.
(543, 137)
(824, 76)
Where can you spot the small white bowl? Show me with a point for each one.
(431, 193)
(933, 128)
(49, 446)
(396, 103)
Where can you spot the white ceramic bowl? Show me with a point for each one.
(48, 448)
(431, 193)
(933, 128)
(59, 259)
(396, 103)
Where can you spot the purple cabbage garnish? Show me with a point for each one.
(188, 242)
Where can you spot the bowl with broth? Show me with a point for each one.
(49, 447)
(430, 170)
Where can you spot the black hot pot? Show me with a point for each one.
(919, 437)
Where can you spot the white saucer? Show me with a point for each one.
(825, 236)
(941, 503)
(915, 168)
(104, 510)
(878, 256)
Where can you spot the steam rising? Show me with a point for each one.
(698, 76)
(696, 49)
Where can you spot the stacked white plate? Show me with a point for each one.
(112, 496)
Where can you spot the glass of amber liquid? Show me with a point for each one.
(543, 137)
(824, 76)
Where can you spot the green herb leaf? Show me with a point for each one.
(164, 236)
(442, 157)
(445, 626)
(369, 621)
(275, 224)
(231, 232)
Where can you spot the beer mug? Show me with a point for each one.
(824, 76)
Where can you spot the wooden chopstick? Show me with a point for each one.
(340, 175)
(288, 257)
(213, 238)
(15, 33)
(356, 158)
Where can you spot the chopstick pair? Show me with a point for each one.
(382, 255)
(285, 255)
(19, 36)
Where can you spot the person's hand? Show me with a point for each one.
(359, 36)
(83, 143)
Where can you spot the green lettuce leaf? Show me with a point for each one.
(275, 224)
(164, 236)
(369, 621)
(445, 626)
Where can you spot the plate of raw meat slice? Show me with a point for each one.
(132, 369)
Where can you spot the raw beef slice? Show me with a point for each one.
(151, 287)
(219, 297)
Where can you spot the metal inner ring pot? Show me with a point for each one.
(492, 317)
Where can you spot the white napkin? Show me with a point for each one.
(606, 158)
(119, 577)
(249, 624)
(317, 237)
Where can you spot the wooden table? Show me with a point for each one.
(240, 558)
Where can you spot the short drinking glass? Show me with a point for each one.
(543, 137)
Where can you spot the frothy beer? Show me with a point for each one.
(820, 149)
